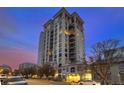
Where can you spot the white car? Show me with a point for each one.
(0, 82)
(88, 82)
(3, 80)
(16, 80)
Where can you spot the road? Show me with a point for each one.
(44, 82)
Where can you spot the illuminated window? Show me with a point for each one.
(87, 75)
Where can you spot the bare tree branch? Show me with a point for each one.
(104, 54)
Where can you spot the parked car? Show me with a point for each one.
(88, 82)
(3, 80)
(16, 80)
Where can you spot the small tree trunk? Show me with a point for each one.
(105, 81)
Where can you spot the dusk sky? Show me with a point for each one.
(20, 29)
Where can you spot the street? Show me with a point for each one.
(44, 82)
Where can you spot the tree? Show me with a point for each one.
(28, 69)
(104, 55)
(33, 70)
(16, 72)
(40, 72)
(6, 71)
(48, 70)
(25, 72)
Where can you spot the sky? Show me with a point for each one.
(20, 29)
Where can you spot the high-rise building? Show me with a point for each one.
(63, 42)
(40, 50)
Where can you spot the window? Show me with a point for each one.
(66, 55)
(79, 68)
(60, 65)
(54, 59)
(72, 20)
(72, 69)
(59, 71)
(87, 76)
(122, 76)
(63, 68)
(60, 59)
(66, 26)
(56, 25)
(66, 39)
(55, 30)
(54, 56)
(60, 48)
(67, 69)
(60, 37)
(65, 50)
(121, 66)
(15, 79)
(60, 54)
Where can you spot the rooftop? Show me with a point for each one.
(61, 11)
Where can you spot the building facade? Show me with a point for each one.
(40, 49)
(116, 72)
(26, 65)
(63, 42)
(117, 69)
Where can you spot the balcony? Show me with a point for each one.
(72, 50)
(72, 43)
(73, 47)
(72, 60)
(72, 38)
(71, 26)
(71, 56)
(72, 53)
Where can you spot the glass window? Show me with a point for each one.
(67, 69)
(72, 69)
(122, 76)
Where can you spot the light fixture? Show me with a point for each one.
(67, 32)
